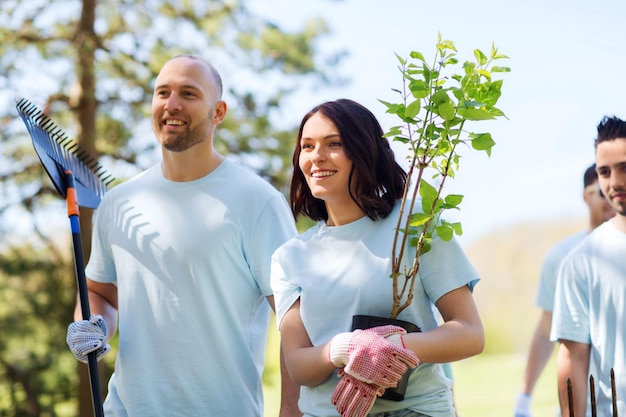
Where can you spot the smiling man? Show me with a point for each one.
(180, 264)
(588, 318)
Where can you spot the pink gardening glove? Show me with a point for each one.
(354, 398)
(392, 333)
(371, 358)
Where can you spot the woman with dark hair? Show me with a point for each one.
(345, 177)
(375, 187)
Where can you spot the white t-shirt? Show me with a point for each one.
(590, 307)
(550, 269)
(341, 271)
(191, 261)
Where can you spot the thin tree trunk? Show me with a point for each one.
(85, 105)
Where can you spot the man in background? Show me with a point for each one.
(541, 347)
(588, 320)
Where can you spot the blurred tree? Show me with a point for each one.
(89, 65)
(35, 380)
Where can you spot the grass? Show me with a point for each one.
(485, 386)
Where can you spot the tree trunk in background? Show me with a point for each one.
(86, 111)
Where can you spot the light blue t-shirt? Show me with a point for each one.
(191, 261)
(590, 307)
(341, 271)
(550, 269)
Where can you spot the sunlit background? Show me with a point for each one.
(567, 62)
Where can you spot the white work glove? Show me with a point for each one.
(86, 336)
(522, 406)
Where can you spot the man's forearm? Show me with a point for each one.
(573, 365)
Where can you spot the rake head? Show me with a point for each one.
(58, 154)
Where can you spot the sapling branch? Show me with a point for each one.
(433, 117)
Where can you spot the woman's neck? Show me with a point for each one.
(339, 215)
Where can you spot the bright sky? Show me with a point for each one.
(568, 61)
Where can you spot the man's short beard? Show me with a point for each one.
(184, 141)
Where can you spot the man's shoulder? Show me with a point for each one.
(128, 186)
(245, 177)
(560, 249)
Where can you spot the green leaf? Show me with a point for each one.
(482, 142)
(413, 109)
(458, 229)
(419, 89)
(401, 139)
(419, 219)
(394, 130)
(484, 73)
(497, 112)
(481, 58)
(446, 111)
(418, 55)
(445, 232)
(400, 59)
(445, 44)
(386, 103)
(428, 194)
(427, 190)
(469, 67)
(428, 75)
(475, 114)
(397, 109)
(500, 69)
(439, 97)
(453, 200)
(426, 243)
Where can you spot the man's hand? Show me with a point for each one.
(86, 336)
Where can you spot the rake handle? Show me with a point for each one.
(83, 294)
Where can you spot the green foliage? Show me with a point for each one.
(90, 65)
(436, 102)
(37, 371)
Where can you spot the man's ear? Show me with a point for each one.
(220, 112)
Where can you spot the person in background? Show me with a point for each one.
(588, 318)
(180, 264)
(345, 177)
(541, 348)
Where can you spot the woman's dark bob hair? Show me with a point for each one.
(376, 180)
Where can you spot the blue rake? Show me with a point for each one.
(82, 182)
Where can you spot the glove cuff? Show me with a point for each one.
(397, 339)
(338, 349)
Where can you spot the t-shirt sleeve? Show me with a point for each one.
(446, 267)
(273, 227)
(547, 281)
(285, 292)
(570, 317)
(101, 266)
